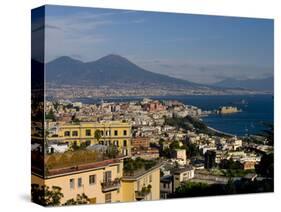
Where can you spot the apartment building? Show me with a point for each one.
(100, 181)
(142, 185)
(182, 175)
(116, 133)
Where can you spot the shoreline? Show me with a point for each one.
(221, 132)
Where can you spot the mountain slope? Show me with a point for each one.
(265, 84)
(109, 70)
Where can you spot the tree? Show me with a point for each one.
(50, 115)
(75, 119)
(112, 151)
(80, 199)
(175, 145)
(98, 134)
(266, 166)
(43, 195)
(191, 149)
(56, 105)
(230, 187)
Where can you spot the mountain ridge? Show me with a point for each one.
(262, 84)
(110, 69)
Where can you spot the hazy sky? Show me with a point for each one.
(198, 48)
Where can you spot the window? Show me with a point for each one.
(67, 133)
(88, 143)
(125, 143)
(124, 132)
(107, 176)
(164, 185)
(88, 132)
(74, 133)
(115, 132)
(101, 142)
(71, 183)
(115, 143)
(79, 182)
(101, 132)
(92, 179)
(150, 178)
(108, 197)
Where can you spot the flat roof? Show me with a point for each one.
(76, 169)
(183, 169)
(139, 173)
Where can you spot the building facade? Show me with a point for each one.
(142, 186)
(100, 181)
(84, 133)
(182, 175)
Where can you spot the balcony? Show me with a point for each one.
(110, 185)
(140, 195)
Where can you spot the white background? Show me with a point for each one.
(15, 103)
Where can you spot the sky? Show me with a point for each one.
(198, 48)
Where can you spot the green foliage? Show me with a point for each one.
(166, 153)
(131, 165)
(194, 189)
(190, 123)
(197, 124)
(266, 166)
(75, 120)
(175, 145)
(230, 164)
(97, 135)
(80, 199)
(56, 105)
(112, 151)
(146, 189)
(191, 149)
(178, 122)
(50, 115)
(43, 195)
(237, 172)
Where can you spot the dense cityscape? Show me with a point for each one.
(145, 150)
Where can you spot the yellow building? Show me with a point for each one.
(100, 181)
(103, 182)
(113, 132)
(143, 185)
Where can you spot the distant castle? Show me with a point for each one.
(227, 110)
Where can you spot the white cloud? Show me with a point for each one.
(78, 33)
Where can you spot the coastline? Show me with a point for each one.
(221, 132)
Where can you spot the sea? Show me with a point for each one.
(257, 110)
